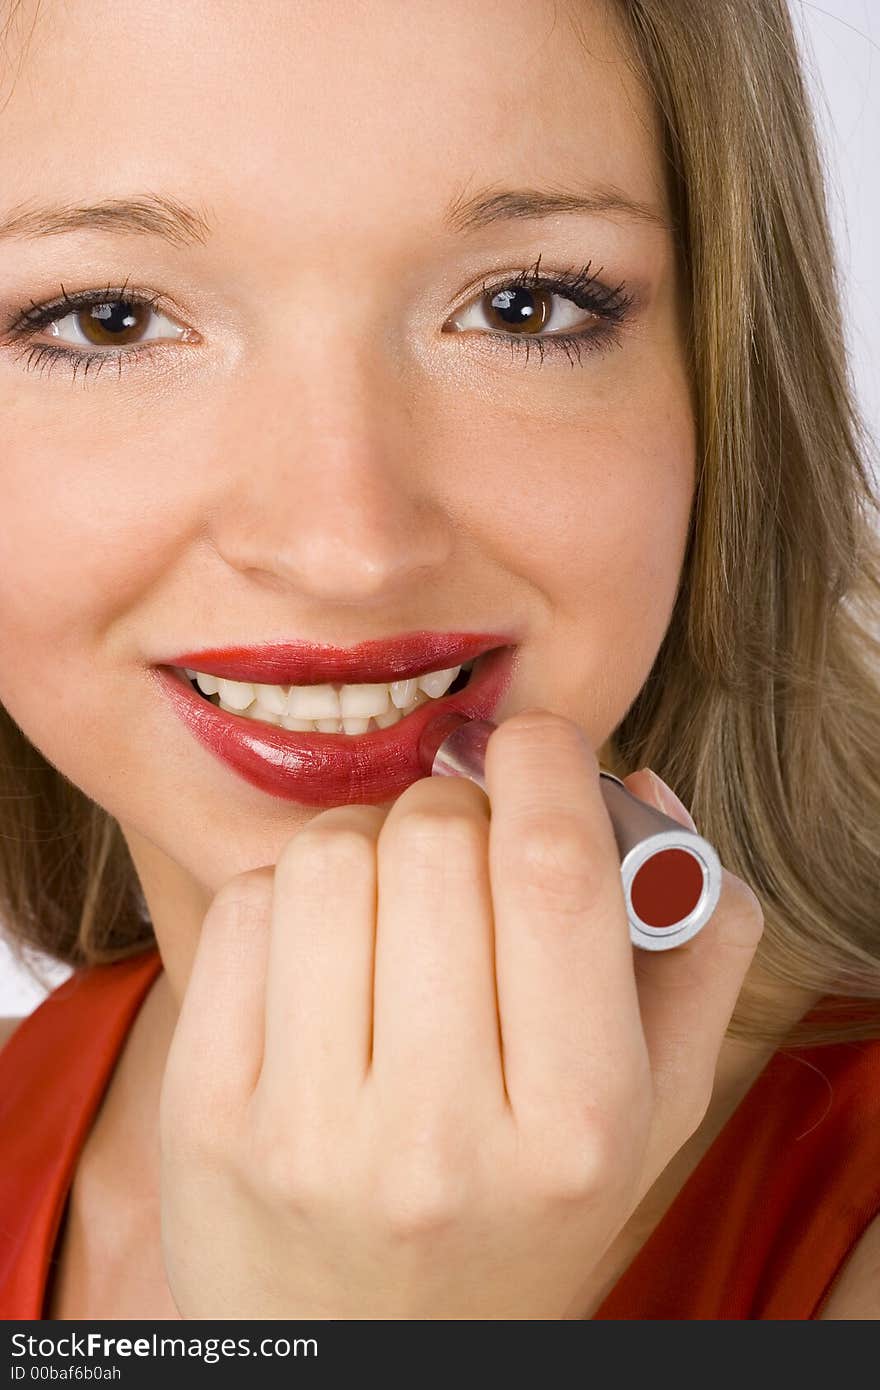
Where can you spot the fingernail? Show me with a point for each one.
(666, 800)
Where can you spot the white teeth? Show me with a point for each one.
(313, 702)
(352, 724)
(355, 726)
(236, 694)
(362, 701)
(403, 693)
(436, 683)
(230, 709)
(390, 717)
(351, 709)
(272, 697)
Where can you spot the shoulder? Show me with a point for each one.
(7, 1028)
(855, 1293)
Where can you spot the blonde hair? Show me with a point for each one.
(762, 706)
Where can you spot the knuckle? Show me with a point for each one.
(291, 1172)
(417, 1202)
(554, 860)
(554, 731)
(697, 1104)
(291, 1181)
(527, 721)
(364, 819)
(686, 1103)
(683, 1082)
(422, 1189)
(578, 1169)
(243, 897)
(752, 911)
(427, 831)
(593, 1148)
(741, 923)
(327, 846)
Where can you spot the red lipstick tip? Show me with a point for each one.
(434, 733)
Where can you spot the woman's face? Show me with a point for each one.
(301, 444)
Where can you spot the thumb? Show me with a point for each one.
(648, 787)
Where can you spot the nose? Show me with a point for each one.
(330, 499)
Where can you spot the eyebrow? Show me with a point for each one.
(489, 206)
(176, 222)
(145, 215)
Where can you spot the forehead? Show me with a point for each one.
(355, 116)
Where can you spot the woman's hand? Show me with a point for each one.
(419, 1070)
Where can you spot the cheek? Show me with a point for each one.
(596, 517)
(592, 517)
(96, 496)
(88, 541)
(82, 540)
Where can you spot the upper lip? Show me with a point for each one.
(306, 663)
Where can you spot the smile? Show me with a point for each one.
(326, 741)
(331, 708)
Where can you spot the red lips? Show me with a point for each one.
(304, 663)
(325, 770)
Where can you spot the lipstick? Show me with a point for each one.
(671, 876)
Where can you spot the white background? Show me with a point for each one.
(841, 44)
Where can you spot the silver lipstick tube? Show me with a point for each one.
(671, 876)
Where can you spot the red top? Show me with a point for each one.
(759, 1230)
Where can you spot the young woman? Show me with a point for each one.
(342, 346)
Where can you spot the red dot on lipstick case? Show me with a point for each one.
(667, 887)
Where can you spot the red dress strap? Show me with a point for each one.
(54, 1071)
(771, 1212)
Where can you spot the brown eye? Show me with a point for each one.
(518, 308)
(96, 326)
(106, 322)
(117, 323)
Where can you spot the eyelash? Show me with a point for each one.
(29, 322)
(610, 306)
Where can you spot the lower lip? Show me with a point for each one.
(332, 769)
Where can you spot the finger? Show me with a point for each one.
(571, 1033)
(320, 975)
(687, 995)
(217, 1046)
(435, 1021)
